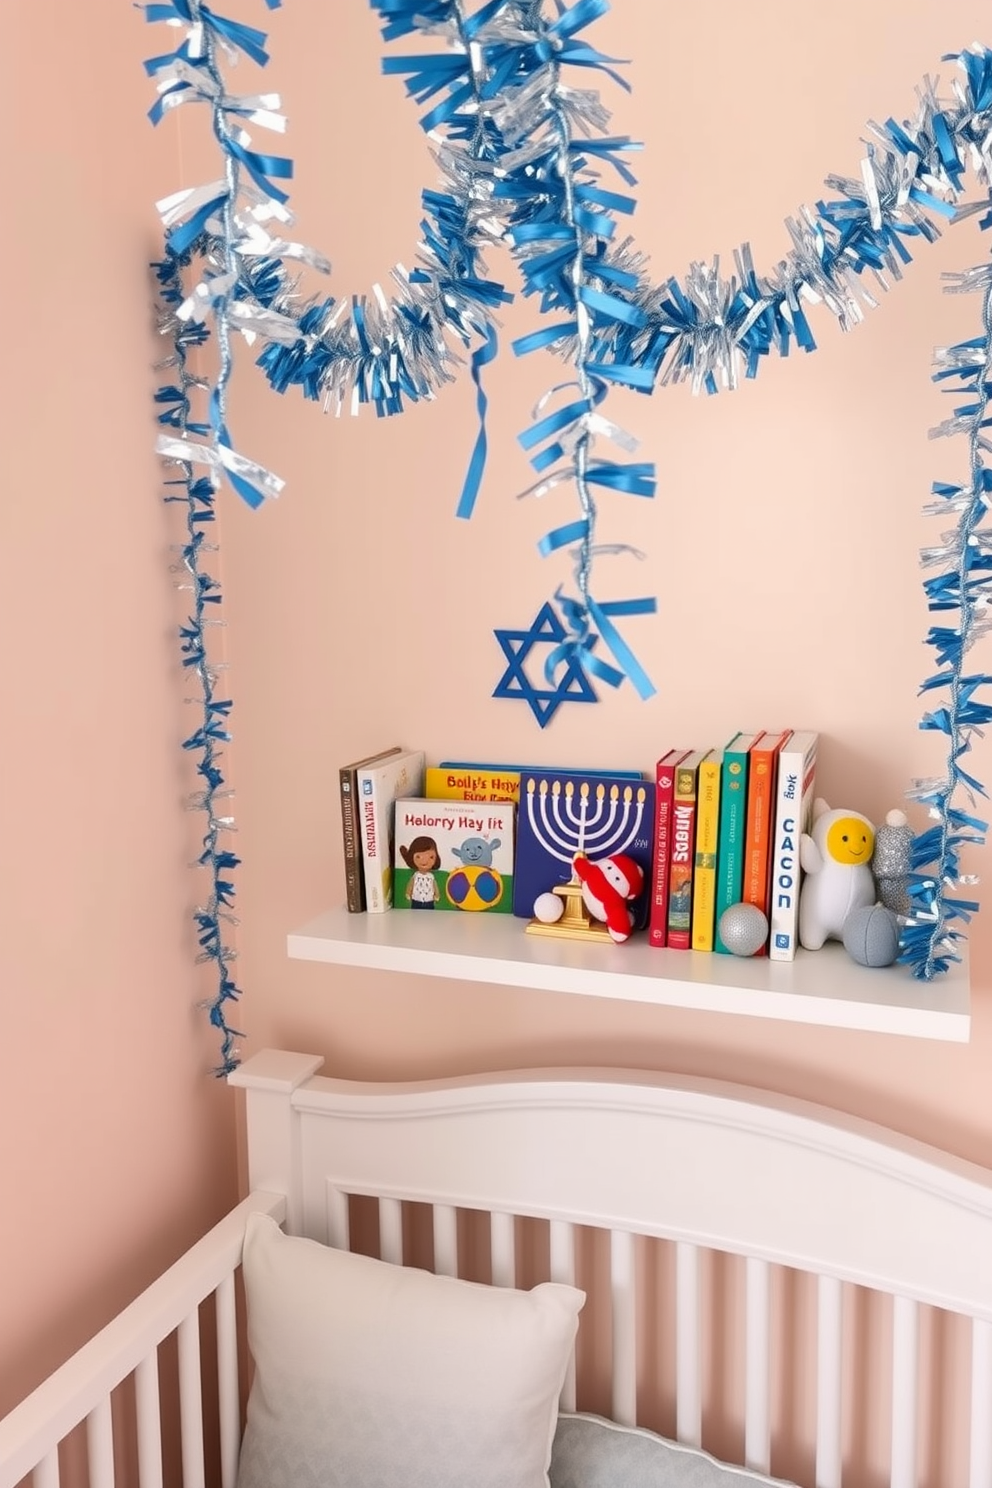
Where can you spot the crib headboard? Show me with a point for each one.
(703, 1166)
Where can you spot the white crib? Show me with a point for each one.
(628, 1183)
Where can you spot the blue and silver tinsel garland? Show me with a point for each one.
(520, 152)
(197, 496)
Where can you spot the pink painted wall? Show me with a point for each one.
(805, 486)
(796, 499)
(115, 1143)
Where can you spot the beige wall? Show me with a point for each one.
(803, 491)
(115, 1143)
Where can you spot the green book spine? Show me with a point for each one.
(733, 816)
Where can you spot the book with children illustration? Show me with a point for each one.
(453, 855)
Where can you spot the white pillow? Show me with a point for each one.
(388, 1377)
(592, 1453)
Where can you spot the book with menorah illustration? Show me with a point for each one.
(562, 813)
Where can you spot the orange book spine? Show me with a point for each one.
(762, 776)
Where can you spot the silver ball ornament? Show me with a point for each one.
(743, 929)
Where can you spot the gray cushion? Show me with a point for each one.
(592, 1453)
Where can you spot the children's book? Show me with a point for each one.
(471, 783)
(507, 770)
(704, 862)
(562, 813)
(762, 782)
(664, 789)
(379, 786)
(453, 855)
(354, 875)
(733, 820)
(683, 850)
(794, 814)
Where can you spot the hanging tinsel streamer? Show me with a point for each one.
(517, 152)
(962, 589)
(197, 496)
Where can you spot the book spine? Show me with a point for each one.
(730, 853)
(374, 842)
(761, 787)
(796, 770)
(683, 849)
(354, 873)
(661, 862)
(704, 868)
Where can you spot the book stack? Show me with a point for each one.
(710, 828)
(727, 828)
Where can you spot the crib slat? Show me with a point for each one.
(190, 1401)
(338, 1219)
(828, 1382)
(905, 1325)
(100, 1445)
(391, 1231)
(624, 1327)
(503, 1248)
(445, 1240)
(562, 1258)
(46, 1474)
(688, 1391)
(228, 1392)
(980, 1473)
(757, 1407)
(149, 1419)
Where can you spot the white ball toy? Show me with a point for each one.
(548, 908)
(743, 929)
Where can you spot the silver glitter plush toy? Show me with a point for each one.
(892, 861)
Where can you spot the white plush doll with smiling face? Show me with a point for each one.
(836, 860)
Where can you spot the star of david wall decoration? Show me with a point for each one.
(565, 681)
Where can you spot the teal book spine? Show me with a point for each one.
(733, 818)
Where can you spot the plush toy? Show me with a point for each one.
(607, 885)
(892, 862)
(836, 860)
(871, 935)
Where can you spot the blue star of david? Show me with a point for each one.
(572, 686)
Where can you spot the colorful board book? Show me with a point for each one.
(471, 783)
(379, 786)
(683, 850)
(452, 854)
(762, 778)
(563, 813)
(354, 874)
(794, 814)
(707, 842)
(664, 789)
(733, 820)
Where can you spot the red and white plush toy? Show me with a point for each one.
(607, 885)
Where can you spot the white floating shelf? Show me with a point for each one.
(824, 987)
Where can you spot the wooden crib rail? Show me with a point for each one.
(80, 1390)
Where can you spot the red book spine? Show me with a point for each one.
(683, 835)
(661, 863)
